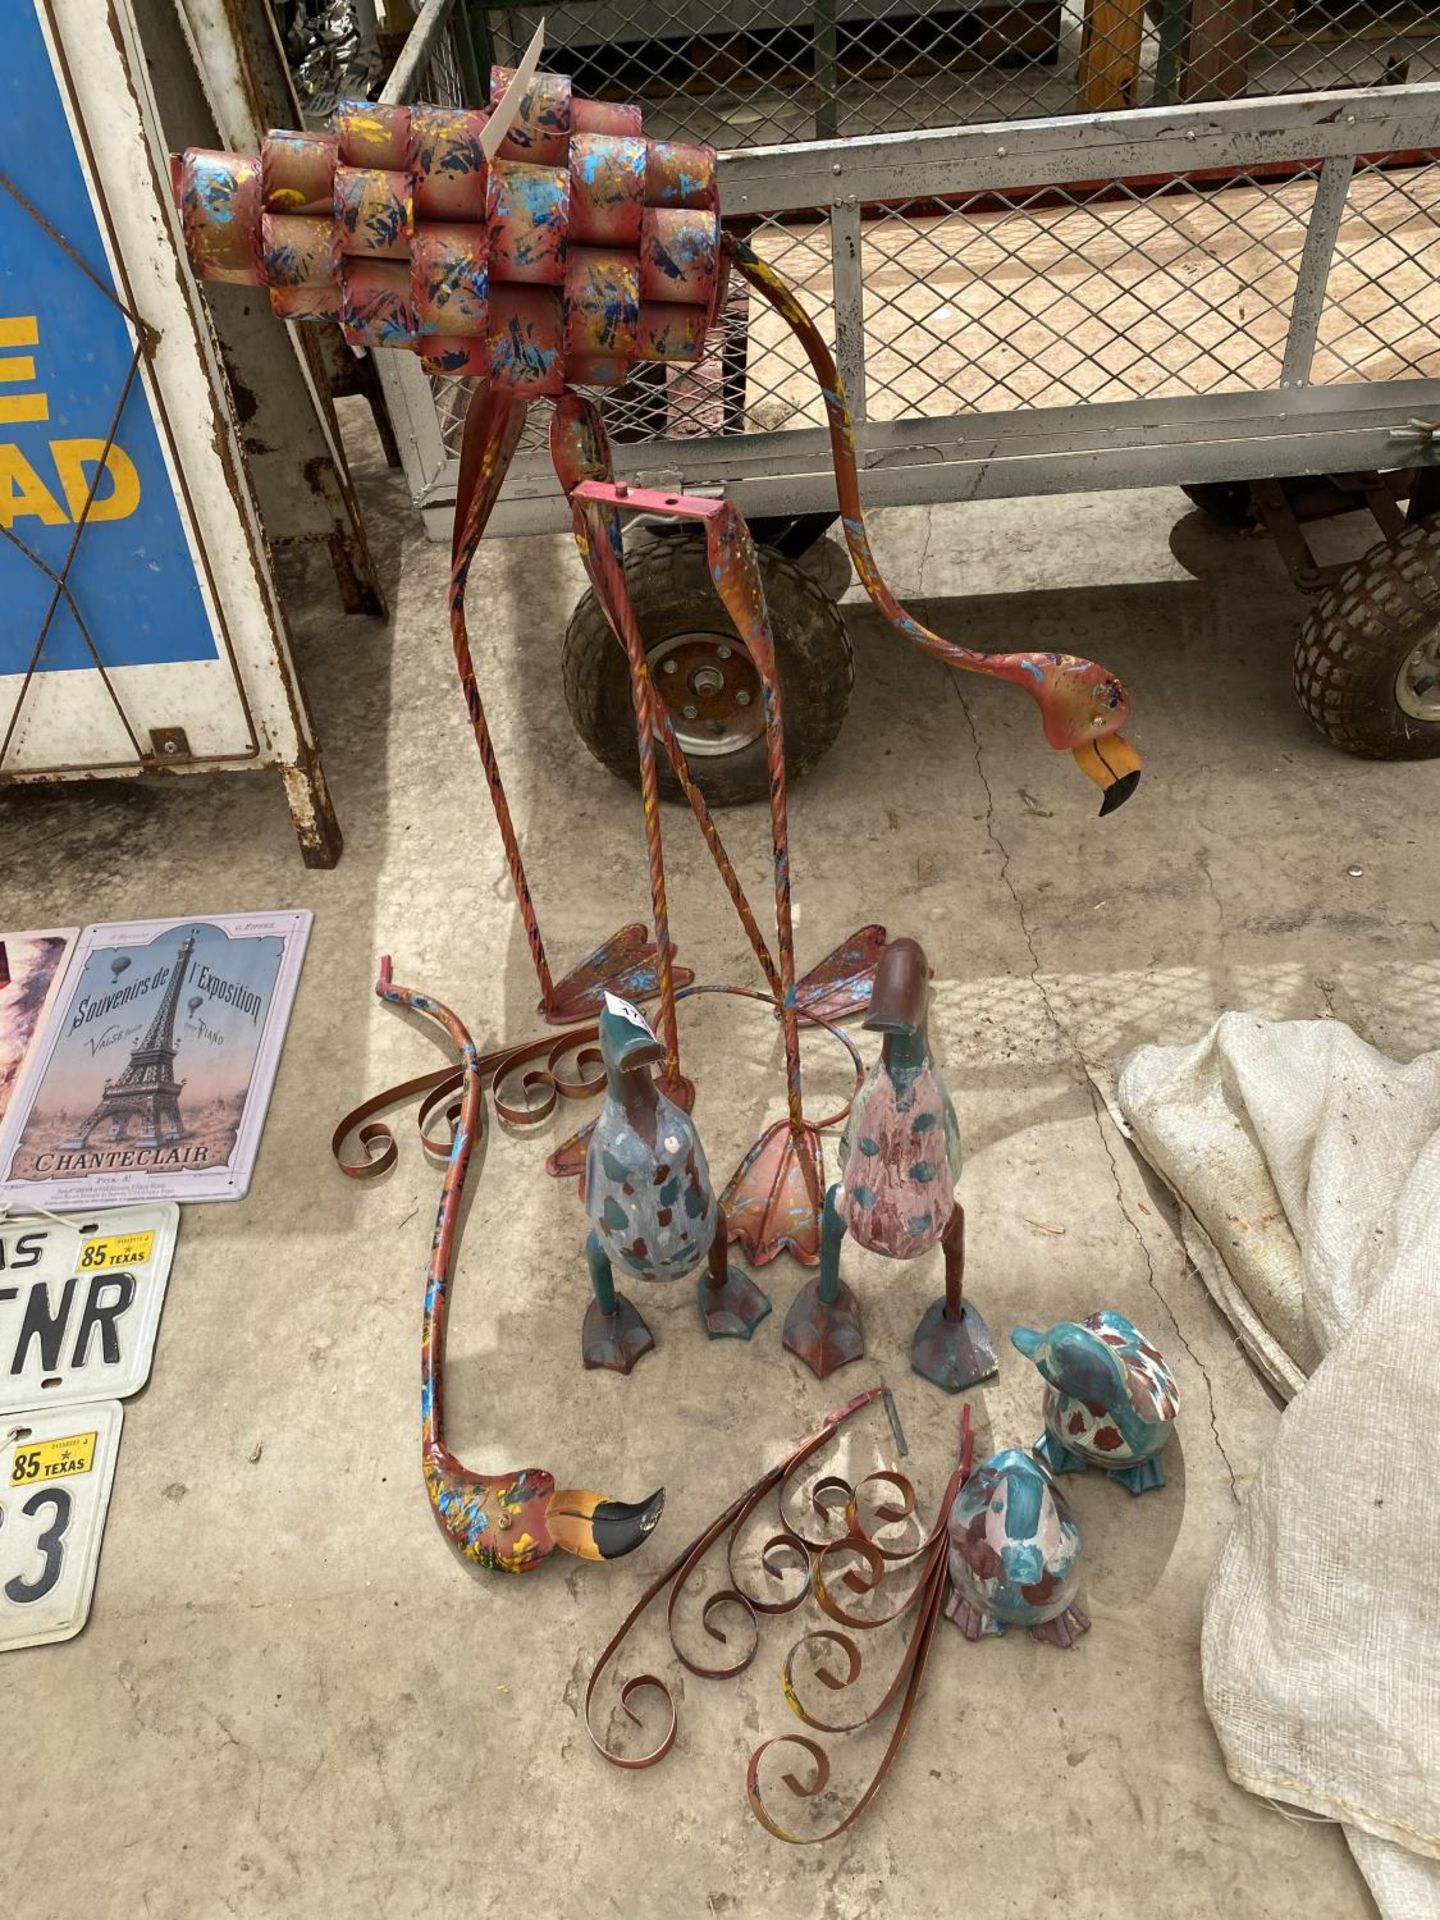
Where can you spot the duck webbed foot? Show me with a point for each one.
(954, 1354)
(823, 1325)
(614, 1335)
(614, 1340)
(731, 1305)
(1065, 1629)
(825, 1334)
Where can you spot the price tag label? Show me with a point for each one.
(58, 1459)
(116, 1250)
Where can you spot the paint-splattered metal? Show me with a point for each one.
(448, 164)
(297, 173)
(1014, 1553)
(1110, 1399)
(652, 1207)
(449, 279)
(374, 211)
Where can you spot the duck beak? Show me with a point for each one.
(1026, 1339)
(595, 1528)
(1114, 765)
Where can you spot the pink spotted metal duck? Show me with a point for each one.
(899, 1165)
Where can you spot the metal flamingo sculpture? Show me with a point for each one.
(543, 246)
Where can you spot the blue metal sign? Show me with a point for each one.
(66, 352)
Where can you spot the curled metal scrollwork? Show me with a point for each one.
(851, 1560)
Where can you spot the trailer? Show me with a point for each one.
(1235, 295)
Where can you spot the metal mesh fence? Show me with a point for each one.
(758, 72)
(1024, 299)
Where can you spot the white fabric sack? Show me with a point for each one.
(1308, 1170)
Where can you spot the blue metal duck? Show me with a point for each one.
(1014, 1553)
(647, 1190)
(899, 1165)
(1110, 1401)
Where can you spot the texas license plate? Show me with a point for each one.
(80, 1303)
(56, 1469)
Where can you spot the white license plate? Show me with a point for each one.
(80, 1303)
(56, 1469)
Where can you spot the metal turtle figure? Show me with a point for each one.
(1110, 1399)
(649, 1195)
(899, 1166)
(1014, 1553)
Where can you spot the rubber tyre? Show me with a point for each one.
(1227, 501)
(1357, 637)
(672, 593)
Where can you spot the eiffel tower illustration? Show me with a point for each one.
(147, 1091)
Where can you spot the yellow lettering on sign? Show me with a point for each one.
(17, 367)
(71, 458)
(17, 408)
(23, 494)
(20, 330)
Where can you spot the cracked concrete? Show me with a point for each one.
(291, 1699)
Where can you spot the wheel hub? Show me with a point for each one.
(711, 691)
(1417, 684)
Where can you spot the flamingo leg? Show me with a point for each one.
(626, 961)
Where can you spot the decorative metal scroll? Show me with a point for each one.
(837, 1566)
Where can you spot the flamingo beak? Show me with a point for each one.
(594, 1528)
(1114, 765)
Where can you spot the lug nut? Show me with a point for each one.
(690, 712)
(742, 698)
(672, 666)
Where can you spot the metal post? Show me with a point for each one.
(849, 284)
(827, 96)
(1314, 275)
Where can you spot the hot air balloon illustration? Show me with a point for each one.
(118, 965)
(195, 1000)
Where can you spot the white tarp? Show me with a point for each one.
(1308, 1168)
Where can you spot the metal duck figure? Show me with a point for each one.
(1110, 1399)
(648, 1192)
(1014, 1553)
(899, 1166)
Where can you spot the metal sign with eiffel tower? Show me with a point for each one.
(147, 1091)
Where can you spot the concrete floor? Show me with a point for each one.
(291, 1699)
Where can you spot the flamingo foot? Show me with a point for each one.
(614, 1340)
(772, 1202)
(626, 964)
(840, 984)
(825, 1334)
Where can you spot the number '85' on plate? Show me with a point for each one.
(56, 1471)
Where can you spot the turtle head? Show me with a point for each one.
(1074, 1359)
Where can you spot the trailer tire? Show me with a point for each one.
(1367, 662)
(697, 660)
